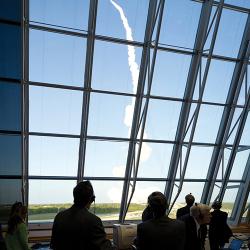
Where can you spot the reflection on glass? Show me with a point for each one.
(105, 158)
(231, 29)
(48, 197)
(162, 119)
(139, 201)
(70, 14)
(108, 199)
(11, 10)
(55, 110)
(56, 58)
(170, 74)
(10, 192)
(154, 160)
(208, 123)
(180, 22)
(10, 155)
(110, 75)
(111, 24)
(10, 108)
(107, 115)
(51, 156)
(10, 51)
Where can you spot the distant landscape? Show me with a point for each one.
(106, 211)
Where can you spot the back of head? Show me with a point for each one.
(189, 199)
(83, 194)
(158, 203)
(200, 212)
(216, 205)
(15, 208)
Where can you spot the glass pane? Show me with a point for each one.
(55, 110)
(170, 74)
(51, 156)
(195, 188)
(10, 155)
(107, 115)
(71, 14)
(56, 58)
(218, 81)
(106, 158)
(10, 108)
(7, 198)
(113, 76)
(247, 208)
(222, 168)
(48, 197)
(230, 33)
(155, 160)
(110, 21)
(208, 123)
(240, 163)
(108, 199)
(10, 51)
(229, 199)
(236, 116)
(198, 162)
(139, 201)
(246, 133)
(244, 88)
(180, 22)
(162, 119)
(241, 3)
(11, 10)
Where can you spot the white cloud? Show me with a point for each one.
(118, 171)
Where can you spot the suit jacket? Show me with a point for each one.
(193, 241)
(161, 234)
(218, 228)
(182, 211)
(77, 229)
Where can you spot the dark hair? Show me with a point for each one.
(83, 193)
(216, 205)
(13, 222)
(158, 202)
(189, 199)
(15, 208)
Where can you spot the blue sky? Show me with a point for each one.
(60, 59)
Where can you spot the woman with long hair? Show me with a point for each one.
(17, 234)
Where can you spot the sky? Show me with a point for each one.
(60, 59)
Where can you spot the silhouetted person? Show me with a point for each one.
(76, 228)
(160, 232)
(185, 210)
(2, 243)
(195, 231)
(17, 234)
(219, 231)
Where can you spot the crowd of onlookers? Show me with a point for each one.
(77, 228)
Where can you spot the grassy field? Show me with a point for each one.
(106, 211)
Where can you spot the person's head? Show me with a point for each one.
(201, 213)
(158, 203)
(15, 208)
(83, 194)
(189, 199)
(216, 205)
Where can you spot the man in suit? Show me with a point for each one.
(185, 210)
(199, 216)
(160, 232)
(219, 231)
(76, 228)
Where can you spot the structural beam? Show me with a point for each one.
(188, 95)
(227, 116)
(87, 86)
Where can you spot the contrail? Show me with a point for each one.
(134, 69)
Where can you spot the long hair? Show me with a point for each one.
(13, 222)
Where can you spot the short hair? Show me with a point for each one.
(158, 202)
(216, 205)
(198, 210)
(83, 193)
(189, 199)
